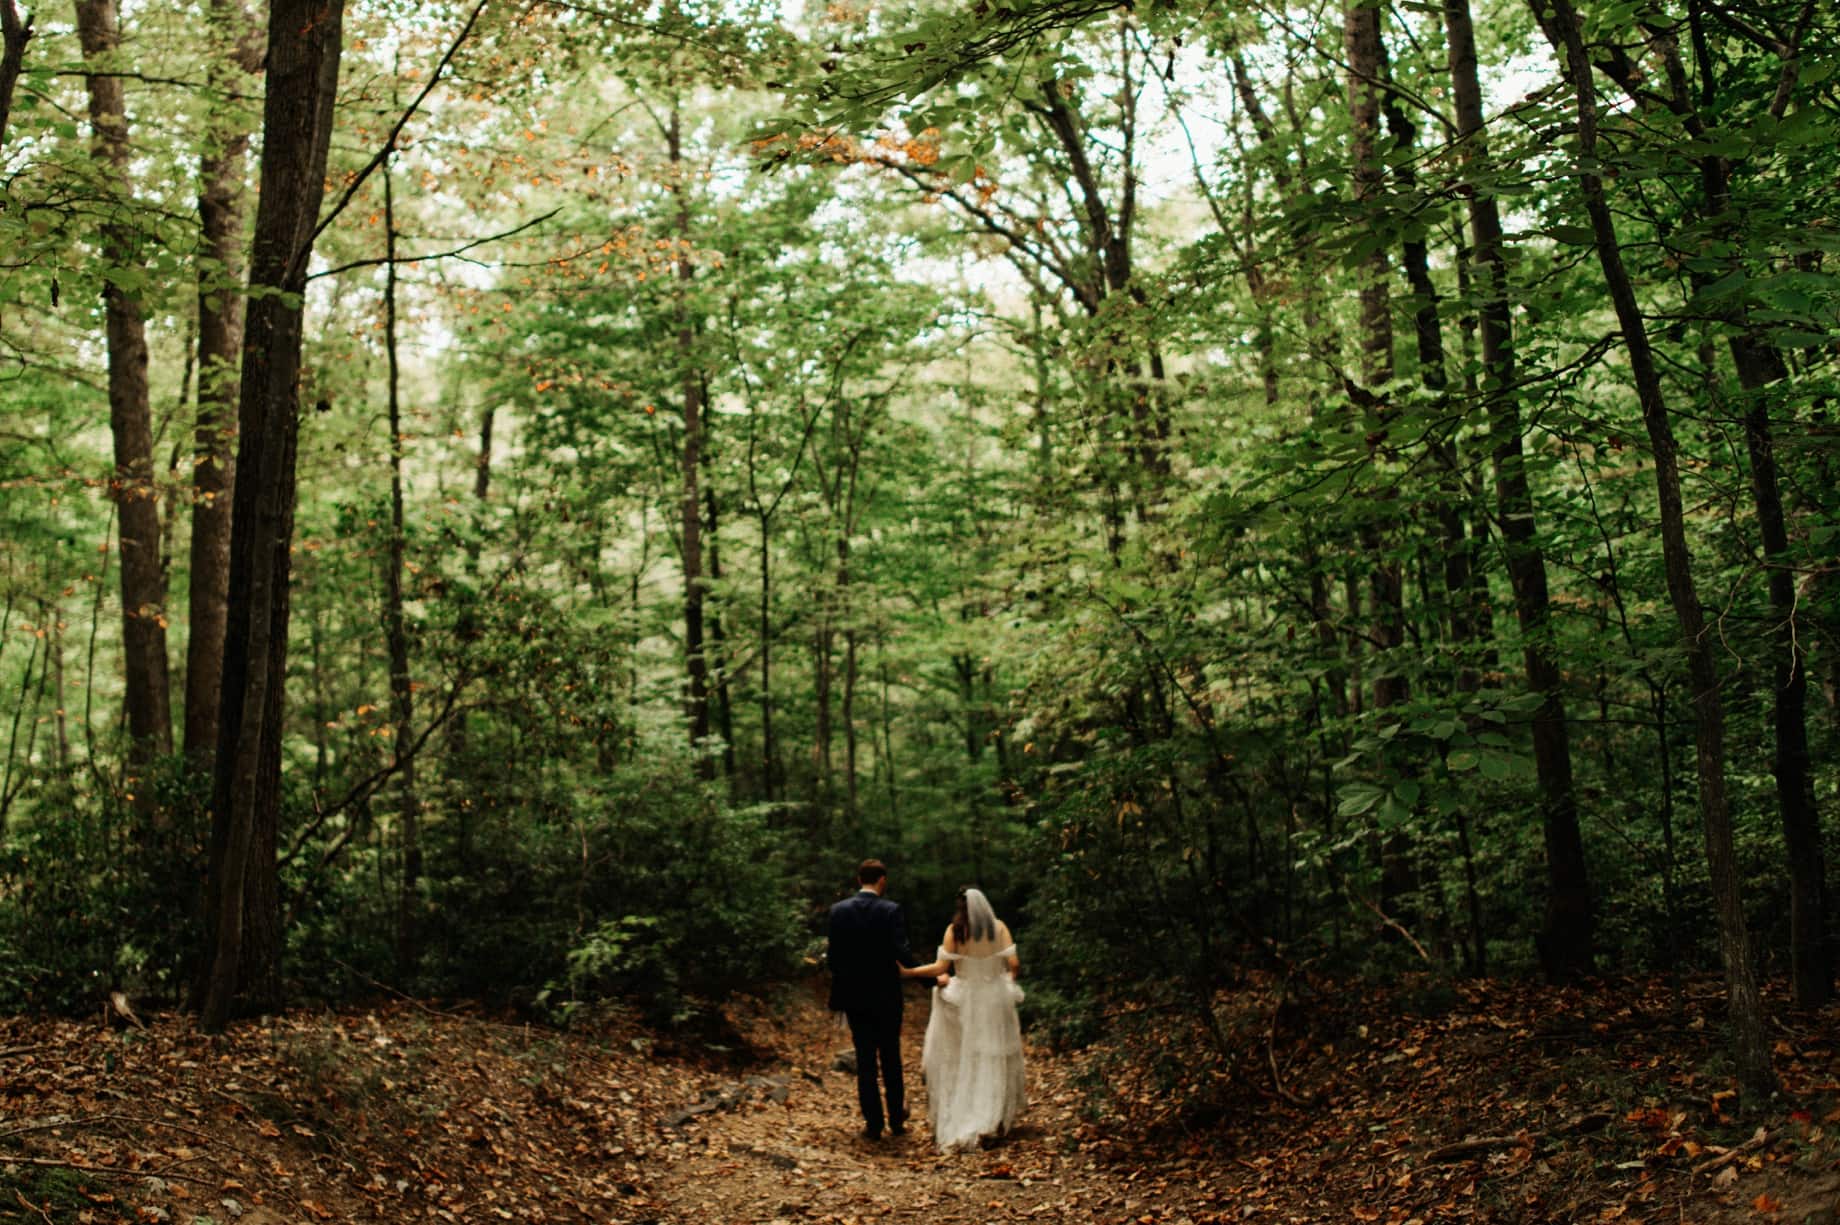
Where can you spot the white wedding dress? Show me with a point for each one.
(973, 1052)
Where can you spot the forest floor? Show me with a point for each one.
(1415, 1103)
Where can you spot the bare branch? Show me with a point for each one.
(434, 255)
(389, 144)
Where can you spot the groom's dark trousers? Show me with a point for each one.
(867, 939)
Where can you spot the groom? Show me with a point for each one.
(867, 939)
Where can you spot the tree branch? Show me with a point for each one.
(995, 225)
(389, 144)
(434, 255)
(369, 785)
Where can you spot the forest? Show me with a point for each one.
(507, 501)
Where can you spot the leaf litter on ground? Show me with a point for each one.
(1423, 1101)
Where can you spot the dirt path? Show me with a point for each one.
(805, 1160)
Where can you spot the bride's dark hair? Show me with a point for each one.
(963, 929)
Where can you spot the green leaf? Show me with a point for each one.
(1796, 338)
(1808, 126)
(1726, 286)
(1357, 798)
(1571, 235)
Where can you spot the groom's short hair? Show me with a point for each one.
(870, 871)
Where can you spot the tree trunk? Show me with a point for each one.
(1107, 235)
(395, 629)
(54, 634)
(244, 954)
(482, 466)
(823, 674)
(768, 750)
(848, 712)
(1751, 1044)
(143, 579)
(220, 339)
(7, 789)
(894, 790)
(1759, 366)
(850, 800)
(1812, 969)
(1335, 678)
(1366, 55)
(14, 35)
(1428, 339)
(695, 662)
(466, 625)
(718, 644)
(1565, 937)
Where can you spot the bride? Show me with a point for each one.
(973, 1052)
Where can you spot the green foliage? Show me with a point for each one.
(1068, 524)
(632, 884)
(101, 894)
(31, 1192)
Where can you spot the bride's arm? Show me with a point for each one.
(938, 968)
(1005, 940)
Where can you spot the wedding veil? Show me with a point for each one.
(980, 919)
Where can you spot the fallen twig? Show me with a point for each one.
(55, 1164)
(60, 1120)
(1271, 1058)
(1389, 921)
(1732, 1154)
(34, 1207)
(1591, 1121)
(234, 1101)
(1476, 1146)
(203, 1137)
(407, 999)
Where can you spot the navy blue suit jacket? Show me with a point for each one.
(867, 937)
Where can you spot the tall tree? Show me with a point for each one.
(236, 55)
(244, 951)
(1750, 1042)
(1566, 930)
(696, 661)
(143, 576)
(395, 624)
(1366, 55)
(1760, 369)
